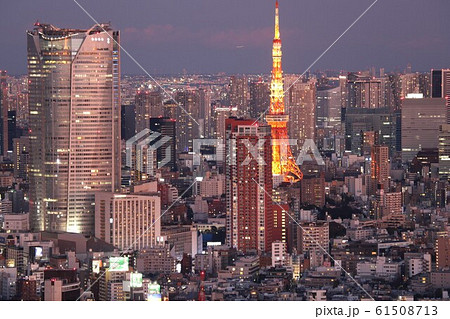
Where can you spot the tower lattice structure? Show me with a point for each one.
(283, 162)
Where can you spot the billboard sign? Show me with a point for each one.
(96, 265)
(118, 264)
(136, 280)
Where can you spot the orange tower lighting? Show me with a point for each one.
(283, 162)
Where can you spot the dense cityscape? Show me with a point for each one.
(332, 185)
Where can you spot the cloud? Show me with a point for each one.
(418, 43)
(227, 39)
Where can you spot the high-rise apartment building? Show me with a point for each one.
(204, 114)
(187, 119)
(380, 169)
(259, 98)
(301, 107)
(148, 104)
(221, 114)
(414, 83)
(392, 203)
(409, 84)
(280, 227)
(240, 94)
(170, 109)
(248, 185)
(364, 91)
(74, 123)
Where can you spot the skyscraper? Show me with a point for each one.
(166, 152)
(12, 129)
(248, 185)
(421, 119)
(380, 166)
(302, 112)
(283, 163)
(147, 105)
(74, 102)
(440, 83)
(204, 114)
(364, 91)
(440, 87)
(187, 128)
(328, 118)
(360, 120)
(239, 94)
(329, 108)
(128, 122)
(409, 84)
(259, 97)
(221, 114)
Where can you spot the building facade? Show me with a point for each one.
(128, 221)
(421, 120)
(248, 185)
(74, 131)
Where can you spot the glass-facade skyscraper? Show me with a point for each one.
(74, 131)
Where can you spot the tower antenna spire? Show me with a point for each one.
(277, 22)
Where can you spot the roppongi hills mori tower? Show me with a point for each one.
(74, 130)
(283, 162)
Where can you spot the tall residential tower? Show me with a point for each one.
(250, 215)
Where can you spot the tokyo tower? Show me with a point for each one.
(283, 162)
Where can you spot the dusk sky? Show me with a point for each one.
(209, 36)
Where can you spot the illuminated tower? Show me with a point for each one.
(283, 162)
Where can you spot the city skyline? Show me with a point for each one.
(307, 186)
(170, 41)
